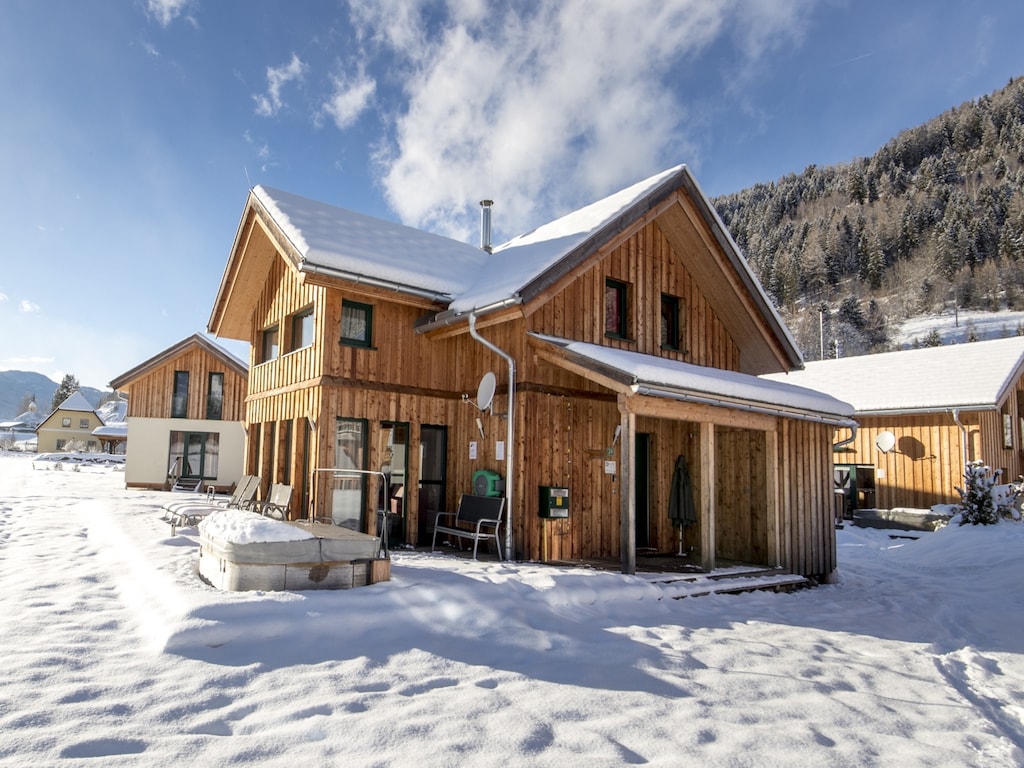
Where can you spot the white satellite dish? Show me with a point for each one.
(885, 441)
(485, 392)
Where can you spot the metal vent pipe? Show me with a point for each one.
(485, 224)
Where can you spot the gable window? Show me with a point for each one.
(215, 397)
(269, 348)
(356, 323)
(83, 423)
(670, 325)
(616, 301)
(302, 330)
(66, 421)
(179, 401)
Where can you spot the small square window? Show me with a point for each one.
(83, 423)
(356, 324)
(670, 326)
(270, 346)
(616, 298)
(66, 421)
(302, 330)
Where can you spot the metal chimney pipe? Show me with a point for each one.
(485, 224)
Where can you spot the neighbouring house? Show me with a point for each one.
(921, 415)
(113, 435)
(585, 370)
(69, 426)
(185, 411)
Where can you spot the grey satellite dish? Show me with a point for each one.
(485, 392)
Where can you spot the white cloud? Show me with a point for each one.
(548, 105)
(3, 296)
(28, 307)
(166, 11)
(268, 104)
(349, 99)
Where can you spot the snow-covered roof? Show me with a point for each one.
(516, 262)
(648, 374)
(76, 402)
(112, 429)
(338, 239)
(975, 375)
(113, 411)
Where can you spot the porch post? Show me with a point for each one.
(627, 488)
(706, 496)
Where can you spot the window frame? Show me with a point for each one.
(621, 292)
(214, 407)
(671, 332)
(83, 423)
(351, 341)
(296, 324)
(270, 343)
(65, 422)
(179, 395)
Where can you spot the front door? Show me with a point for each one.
(643, 491)
(433, 477)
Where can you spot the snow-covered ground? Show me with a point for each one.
(954, 327)
(114, 653)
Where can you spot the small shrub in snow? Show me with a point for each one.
(979, 502)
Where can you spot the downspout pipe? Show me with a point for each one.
(843, 443)
(963, 438)
(510, 427)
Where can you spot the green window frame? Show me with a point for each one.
(356, 324)
(179, 399)
(215, 396)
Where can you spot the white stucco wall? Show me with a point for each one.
(149, 443)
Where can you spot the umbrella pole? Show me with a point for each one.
(680, 552)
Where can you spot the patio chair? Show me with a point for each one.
(276, 503)
(244, 495)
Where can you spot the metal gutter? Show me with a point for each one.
(955, 412)
(847, 441)
(510, 452)
(373, 282)
(445, 319)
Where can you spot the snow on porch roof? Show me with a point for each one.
(974, 375)
(729, 388)
(338, 239)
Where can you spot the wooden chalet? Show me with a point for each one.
(921, 415)
(69, 426)
(625, 339)
(185, 411)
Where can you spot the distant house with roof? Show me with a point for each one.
(70, 424)
(921, 415)
(184, 417)
(624, 341)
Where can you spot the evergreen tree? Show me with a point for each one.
(67, 387)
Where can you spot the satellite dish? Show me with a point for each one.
(885, 441)
(485, 392)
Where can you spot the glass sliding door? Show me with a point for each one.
(348, 501)
(194, 455)
(393, 489)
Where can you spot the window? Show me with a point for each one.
(66, 421)
(348, 495)
(194, 454)
(356, 324)
(302, 330)
(179, 401)
(670, 331)
(83, 423)
(61, 444)
(270, 344)
(616, 297)
(215, 397)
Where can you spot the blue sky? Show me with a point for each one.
(131, 131)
